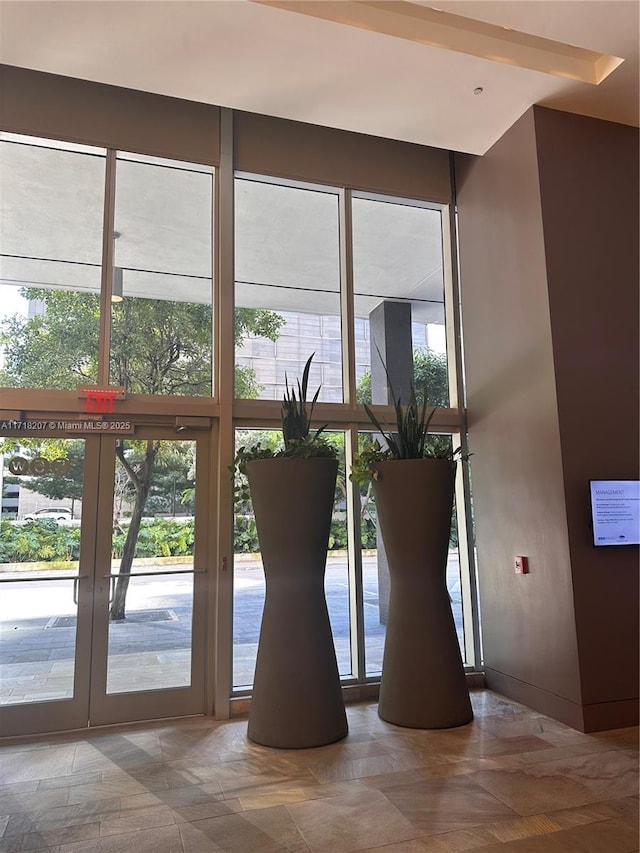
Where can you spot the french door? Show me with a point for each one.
(103, 579)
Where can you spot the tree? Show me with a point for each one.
(172, 478)
(59, 486)
(260, 323)
(430, 375)
(59, 348)
(429, 372)
(157, 347)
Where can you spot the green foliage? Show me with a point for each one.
(294, 416)
(171, 489)
(161, 347)
(157, 346)
(410, 439)
(57, 349)
(430, 379)
(262, 324)
(257, 321)
(298, 441)
(45, 541)
(246, 385)
(36, 541)
(56, 486)
(412, 425)
(245, 535)
(48, 448)
(158, 537)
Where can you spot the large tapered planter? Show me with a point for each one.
(297, 698)
(423, 682)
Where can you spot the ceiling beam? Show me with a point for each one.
(446, 31)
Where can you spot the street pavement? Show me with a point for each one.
(151, 648)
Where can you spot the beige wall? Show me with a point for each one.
(527, 621)
(589, 190)
(49, 105)
(290, 149)
(81, 111)
(542, 319)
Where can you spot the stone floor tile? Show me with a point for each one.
(134, 821)
(64, 835)
(566, 818)
(71, 780)
(618, 834)
(201, 811)
(351, 822)
(511, 780)
(528, 794)
(33, 801)
(28, 765)
(19, 787)
(446, 804)
(263, 831)
(165, 839)
(415, 846)
(610, 775)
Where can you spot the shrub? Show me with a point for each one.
(36, 541)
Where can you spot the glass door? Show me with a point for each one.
(47, 556)
(150, 594)
(102, 580)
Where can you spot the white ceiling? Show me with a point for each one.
(240, 54)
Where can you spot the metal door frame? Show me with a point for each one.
(105, 708)
(90, 704)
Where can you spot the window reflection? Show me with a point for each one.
(51, 198)
(287, 291)
(161, 332)
(399, 301)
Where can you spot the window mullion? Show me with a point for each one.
(224, 326)
(104, 340)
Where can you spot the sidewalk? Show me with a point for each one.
(152, 648)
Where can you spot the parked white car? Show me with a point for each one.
(57, 513)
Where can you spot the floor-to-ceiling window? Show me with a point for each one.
(294, 293)
(108, 279)
(106, 274)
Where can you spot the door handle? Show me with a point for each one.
(76, 581)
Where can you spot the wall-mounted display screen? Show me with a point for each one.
(615, 512)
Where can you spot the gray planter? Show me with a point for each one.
(423, 683)
(297, 698)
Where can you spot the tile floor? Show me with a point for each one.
(513, 780)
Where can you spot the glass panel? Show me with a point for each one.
(161, 336)
(150, 617)
(399, 300)
(51, 207)
(287, 289)
(39, 547)
(337, 571)
(375, 576)
(248, 573)
(37, 640)
(150, 649)
(249, 581)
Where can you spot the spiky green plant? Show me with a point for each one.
(298, 440)
(409, 440)
(293, 414)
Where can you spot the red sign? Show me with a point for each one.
(100, 401)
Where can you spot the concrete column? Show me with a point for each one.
(390, 334)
